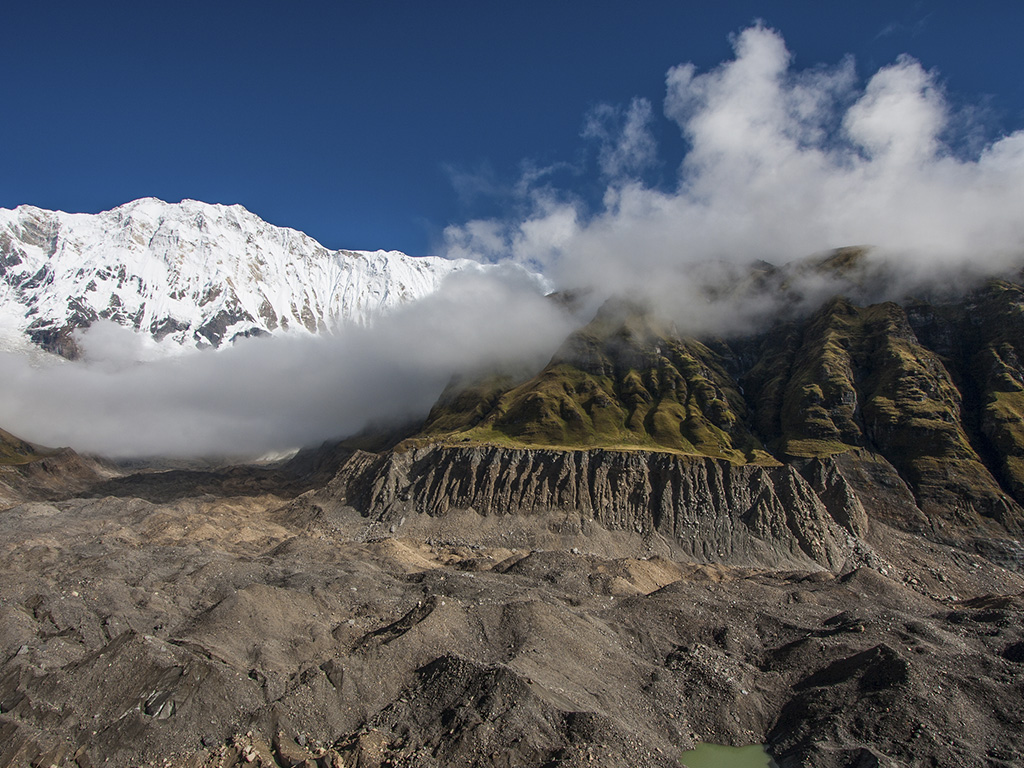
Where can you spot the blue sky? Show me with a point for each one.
(379, 124)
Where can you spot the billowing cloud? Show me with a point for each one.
(625, 144)
(781, 164)
(272, 393)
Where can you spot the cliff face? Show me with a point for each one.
(777, 448)
(919, 403)
(915, 387)
(712, 510)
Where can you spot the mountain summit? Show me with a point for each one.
(191, 272)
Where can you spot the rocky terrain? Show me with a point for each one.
(28, 472)
(807, 538)
(400, 608)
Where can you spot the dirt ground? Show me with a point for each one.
(205, 619)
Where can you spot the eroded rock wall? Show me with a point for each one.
(712, 510)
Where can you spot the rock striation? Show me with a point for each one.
(918, 404)
(709, 509)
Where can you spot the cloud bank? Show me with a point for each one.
(272, 393)
(781, 164)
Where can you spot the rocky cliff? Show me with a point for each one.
(919, 404)
(709, 510)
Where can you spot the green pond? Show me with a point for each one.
(715, 756)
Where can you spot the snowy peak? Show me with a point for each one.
(193, 273)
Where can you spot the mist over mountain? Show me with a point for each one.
(304, 344)
(782, 164)
(281, 391)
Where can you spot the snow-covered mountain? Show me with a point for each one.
(190, 272)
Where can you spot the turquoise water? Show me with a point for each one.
(716, 756)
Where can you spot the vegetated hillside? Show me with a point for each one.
(14, 450)
(928, 394)
(623, 381)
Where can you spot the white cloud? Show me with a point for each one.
(625, 144)
(900, 115)
(271, 393)
(783, 163)
(114, 347)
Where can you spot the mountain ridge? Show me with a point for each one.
(191, 273)
(932, 392)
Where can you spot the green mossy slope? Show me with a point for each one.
(854, 377)
(14, 450)
(935, 389)
(999, 372)
(622, 381)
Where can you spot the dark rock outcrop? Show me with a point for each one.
(710, 509)
(46, 474)
(924, 396)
